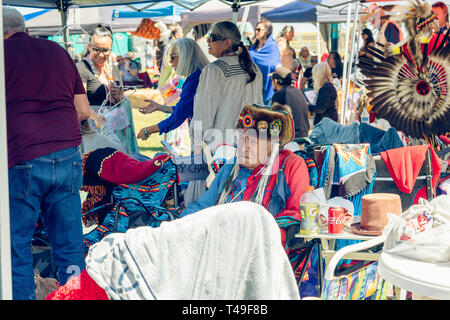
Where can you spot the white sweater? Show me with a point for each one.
(221, 94)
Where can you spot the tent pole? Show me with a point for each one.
(319, 53)
(344, 78)
(66, 35)
(235, 6)
(357, 50)
(349, 69)
(244, 20)
(5, 240)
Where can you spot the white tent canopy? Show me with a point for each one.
(216, 10)
(79, 20)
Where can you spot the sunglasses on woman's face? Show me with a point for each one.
(259, 29)
(214, 38)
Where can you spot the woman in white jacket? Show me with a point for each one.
(225, 87)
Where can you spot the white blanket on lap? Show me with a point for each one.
(226, 252)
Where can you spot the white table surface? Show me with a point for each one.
(420, 277)
(328, 243)
(347, 234)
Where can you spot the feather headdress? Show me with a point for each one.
(408, 82)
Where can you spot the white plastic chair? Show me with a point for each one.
(338, 287)
(340, 254)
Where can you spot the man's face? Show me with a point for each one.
(290, 35)
(304, 52)
(441, 15)
(252, 151)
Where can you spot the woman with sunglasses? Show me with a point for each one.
(188, 60)
(225, 86)
(100, 77)
(266, 54)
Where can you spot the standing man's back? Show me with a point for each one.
(45, 101)
(286, 94)
(40, 86)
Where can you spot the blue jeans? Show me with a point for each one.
(47, 185)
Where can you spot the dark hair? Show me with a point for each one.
(369, 34)
(337, 59)
(268, 26)
(228, 30)
(286, 81)
(441, 5)
(102, 30)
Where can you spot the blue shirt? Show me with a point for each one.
(185, 107)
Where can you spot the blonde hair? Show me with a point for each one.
(321, 74)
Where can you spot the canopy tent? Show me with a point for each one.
(216, 10)
(35, 14)
(157, 9)
(79, 20)
(309, 11)
(57, 4)
(323, 11)
(162, 9)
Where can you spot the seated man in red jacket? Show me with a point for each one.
(262, 172)
(262, 134)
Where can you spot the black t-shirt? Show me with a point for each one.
(391, 33)
(308, 74)
(295, 99)
(337, 72)
(325, 103)
(96, 91)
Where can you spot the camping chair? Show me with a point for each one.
(362, 284)
(385, 183)
(148, 202)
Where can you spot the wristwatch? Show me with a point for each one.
(146, 132)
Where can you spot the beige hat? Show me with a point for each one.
(374, 210)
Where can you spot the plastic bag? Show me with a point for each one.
(116, 117)
(422, 232)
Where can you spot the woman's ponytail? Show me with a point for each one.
(228, 30)
(246, 62)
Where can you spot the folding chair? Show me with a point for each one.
(385, 183)
(362, 284)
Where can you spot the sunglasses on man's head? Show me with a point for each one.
(215, 37)
(97, 50)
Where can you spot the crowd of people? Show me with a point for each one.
(256, 92)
